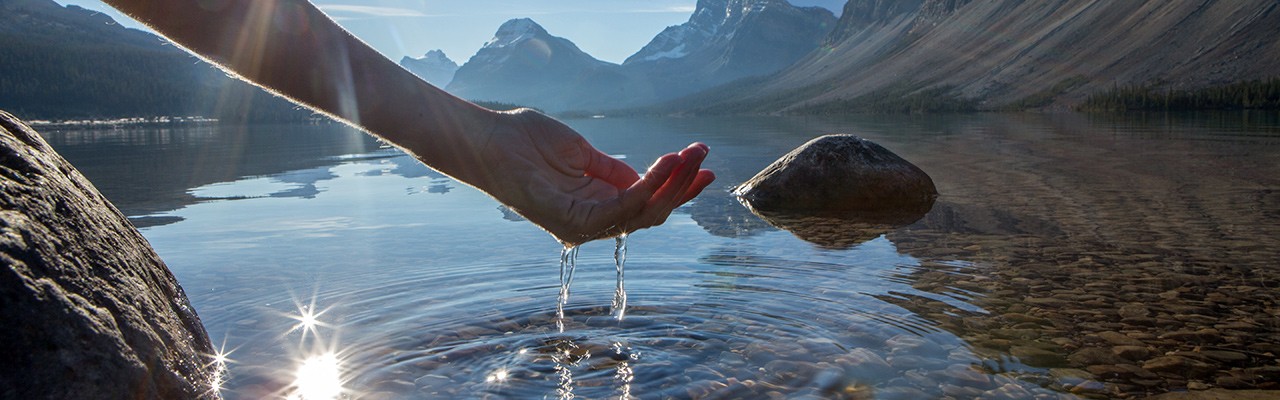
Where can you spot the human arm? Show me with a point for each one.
(533, 163)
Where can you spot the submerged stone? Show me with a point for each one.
(93, 312)
(839, 173)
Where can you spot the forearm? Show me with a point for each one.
(291, 48)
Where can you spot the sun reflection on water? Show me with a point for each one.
(498, 376)
(218, 363)
(308, 319)
(319, 375)
(318, 378)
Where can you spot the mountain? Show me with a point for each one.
(71, 63)
(435, 67)
(524, 64)
(724, 40)
(727, 40)
(929, 55)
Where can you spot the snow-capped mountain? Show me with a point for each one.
(434, 67)
(726, 40)
(1000, 54)
(524, 64)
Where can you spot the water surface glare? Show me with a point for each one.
(1068, 256)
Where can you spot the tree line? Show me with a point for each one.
(1260, 94)
(64, 80)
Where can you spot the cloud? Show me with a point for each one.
(371, 11)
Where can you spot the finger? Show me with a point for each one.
(636, 198)
(611, 170)
(667, 197)
(704, 178)
(691, 186)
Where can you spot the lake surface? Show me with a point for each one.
(1067, 256)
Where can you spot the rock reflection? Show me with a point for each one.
(842, 230)
(721, 215)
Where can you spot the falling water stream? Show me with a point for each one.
(619, 308)
(568, 262)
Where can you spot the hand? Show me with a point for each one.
(549, 174)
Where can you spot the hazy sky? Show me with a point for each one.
(610, 30)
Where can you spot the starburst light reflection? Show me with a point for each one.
(308, 319)
(218, 363)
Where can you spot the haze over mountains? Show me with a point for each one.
(71, 63)
(998, 54)
(731, 56)
(723, 40)
(885, 55)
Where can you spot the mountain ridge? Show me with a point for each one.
(723, 40)
(524, 64)
(1043, 55)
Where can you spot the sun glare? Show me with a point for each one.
(318, 378)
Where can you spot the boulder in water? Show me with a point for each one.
(835, 174)
(91, 310)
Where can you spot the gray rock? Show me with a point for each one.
(840, 173)
(91, 310)
(1179, 365)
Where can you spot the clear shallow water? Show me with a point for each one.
(1067, 256)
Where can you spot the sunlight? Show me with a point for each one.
(498, 376)
(308, 319)
(318, 378)
(219, 360)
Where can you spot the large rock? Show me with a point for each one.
(837, 174)
(90, 311)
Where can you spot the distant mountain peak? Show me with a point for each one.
(721, 20)
(434, 67)
(437, 56)
(514, 32)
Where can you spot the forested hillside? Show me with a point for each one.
(70, 63)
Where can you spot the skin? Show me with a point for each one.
(534, 164)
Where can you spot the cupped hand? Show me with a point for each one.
(548, 173)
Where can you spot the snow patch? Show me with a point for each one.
(514, 32)
(677, 52)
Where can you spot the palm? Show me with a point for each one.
(551, 175)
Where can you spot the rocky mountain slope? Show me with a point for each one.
(727, 40)
(1003, 54)
(435, 67)
(724, 40)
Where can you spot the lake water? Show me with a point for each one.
(1067, 255)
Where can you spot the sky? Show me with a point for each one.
(610, 30)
